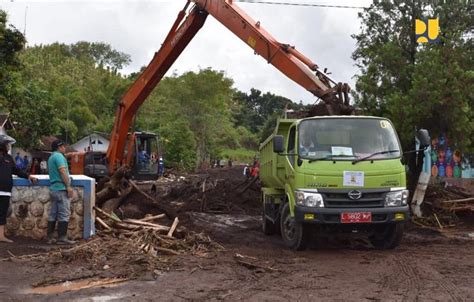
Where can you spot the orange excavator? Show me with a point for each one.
(126, 147)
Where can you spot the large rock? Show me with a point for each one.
(28, 223)
(37, 208)
(20, 210)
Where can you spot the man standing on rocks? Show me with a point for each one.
(60, 193)
(7, 168)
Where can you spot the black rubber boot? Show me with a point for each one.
(62, 233)
(50, 234)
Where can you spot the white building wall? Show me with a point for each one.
(94, 141)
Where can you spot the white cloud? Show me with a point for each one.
(139, 27)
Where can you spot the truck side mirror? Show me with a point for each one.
(278, 146)
(424, 137)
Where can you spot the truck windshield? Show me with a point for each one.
(347, 139)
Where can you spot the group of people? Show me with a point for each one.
(144, 159)
(38, 166)
(253, 170)
(60, 192)
(220, 163)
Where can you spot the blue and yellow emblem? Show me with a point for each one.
(427, 30)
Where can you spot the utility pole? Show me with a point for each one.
(24, 26)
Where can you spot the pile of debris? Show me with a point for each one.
(445, 206)
(214, 191)
(125, 249)
(450, 198)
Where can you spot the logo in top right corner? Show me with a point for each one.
(427, 30)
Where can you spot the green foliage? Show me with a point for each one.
(418, 85)
(26, 102)
(179, 144)
(101, 54)
(200, 104)
(81, 81)
(33, 114)
(240, 155)
(252, 110)
(11, 43)
(72, 90)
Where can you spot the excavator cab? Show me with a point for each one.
(145, 161)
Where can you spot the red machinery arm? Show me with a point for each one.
(177, 39)
(286, 58)
(283, 56)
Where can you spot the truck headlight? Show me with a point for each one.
(396, 199)
(308, 199)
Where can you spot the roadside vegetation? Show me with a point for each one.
(72, 90)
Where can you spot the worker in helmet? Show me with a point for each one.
(161, 166)
(7, 169)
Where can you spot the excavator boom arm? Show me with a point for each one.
(183, 31)
(284, 57)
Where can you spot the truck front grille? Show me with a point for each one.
(340, 199)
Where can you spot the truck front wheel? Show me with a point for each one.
(387, 237)
(294, 234)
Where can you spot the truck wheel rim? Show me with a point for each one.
(289, 228)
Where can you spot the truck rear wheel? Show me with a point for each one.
(294, 234)
(388, 237)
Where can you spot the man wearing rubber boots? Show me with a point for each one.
(60, 194)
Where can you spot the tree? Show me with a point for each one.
(11, 43)
(417, 85)
(26, 102)
(82, 83)
(252, 110)
(34, 115)
(199, 103)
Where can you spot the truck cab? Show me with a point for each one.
(334, 173)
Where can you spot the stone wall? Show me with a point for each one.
(30, 206)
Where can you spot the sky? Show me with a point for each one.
(138, 27)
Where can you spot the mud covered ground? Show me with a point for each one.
(427, 266)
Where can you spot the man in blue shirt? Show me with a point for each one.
(60, 194)
(26, 163)
(18, 161)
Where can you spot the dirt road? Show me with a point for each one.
(427, 266)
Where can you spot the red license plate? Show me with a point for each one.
(356, 217)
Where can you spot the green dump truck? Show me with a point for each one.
(334, 174)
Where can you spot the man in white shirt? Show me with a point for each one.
(306, 144)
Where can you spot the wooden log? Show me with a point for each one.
(173, 227)
(169, 212)
(468, 200)
(130, 227)
(136, 227)
(111, 205)
(102, 223)
(153, 217)
(137, 189)
(252, 181)
(165, 250)
(144, 223)
(113, 217)
(111, 188)
(458, 191)
(437, 220)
